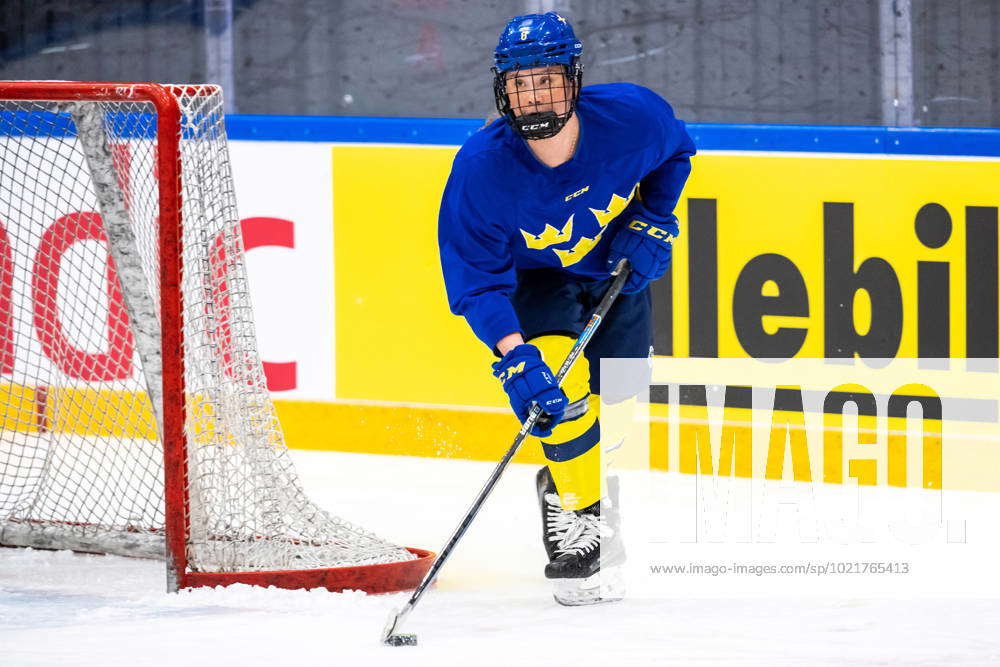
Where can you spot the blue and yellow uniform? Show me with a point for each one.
(524, 246)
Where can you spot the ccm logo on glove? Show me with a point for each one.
(508, 373)
(655, 232)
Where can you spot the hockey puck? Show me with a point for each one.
(401, 640)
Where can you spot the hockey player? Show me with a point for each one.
(539, 207)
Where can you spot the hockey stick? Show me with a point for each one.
(391, 635)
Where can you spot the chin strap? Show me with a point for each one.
(541, 125)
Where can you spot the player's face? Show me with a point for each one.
(539, 89)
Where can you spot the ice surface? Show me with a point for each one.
(491, 606)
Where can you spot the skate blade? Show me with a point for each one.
(606, 586)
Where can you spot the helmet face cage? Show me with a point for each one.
(538, 100)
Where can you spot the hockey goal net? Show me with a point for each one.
(134, 413)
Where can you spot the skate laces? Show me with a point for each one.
(575, 534)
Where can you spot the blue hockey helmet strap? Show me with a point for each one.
(529, 46)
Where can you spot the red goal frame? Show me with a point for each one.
(378, 578)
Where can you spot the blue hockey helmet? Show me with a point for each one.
(534, 41)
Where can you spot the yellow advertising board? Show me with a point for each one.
(779, 256)
(798, 255)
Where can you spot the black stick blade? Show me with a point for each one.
(401, 640)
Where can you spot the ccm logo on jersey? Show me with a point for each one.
(655, 232)
(578, 192)
(511, 372)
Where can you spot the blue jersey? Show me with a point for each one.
(504, 210)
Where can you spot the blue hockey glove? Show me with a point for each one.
(528, 380)
(646, 243)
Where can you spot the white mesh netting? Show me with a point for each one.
(81, 462)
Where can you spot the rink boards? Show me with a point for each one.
(805, 242)
(799, 241)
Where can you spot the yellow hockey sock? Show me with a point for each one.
(573, 449)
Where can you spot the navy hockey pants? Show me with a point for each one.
(548, 301)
